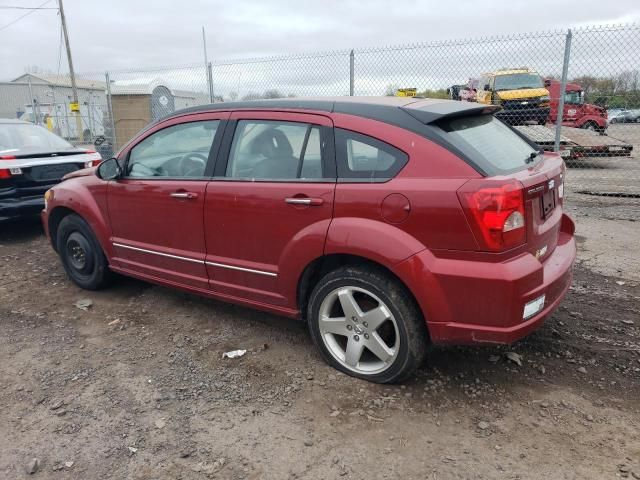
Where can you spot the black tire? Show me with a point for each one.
(81, 254)
(412, 329)
(593, 126)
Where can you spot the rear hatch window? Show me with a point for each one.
(22, 139)
(490, 144)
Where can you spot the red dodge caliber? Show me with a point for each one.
(384, 223)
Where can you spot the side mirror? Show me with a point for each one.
(109, 169)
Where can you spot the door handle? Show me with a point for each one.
(185, 195)
(314, 202)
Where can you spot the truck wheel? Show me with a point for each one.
(366, 324)
(81, 254)
(593, 126)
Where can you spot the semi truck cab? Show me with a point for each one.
(577, 113)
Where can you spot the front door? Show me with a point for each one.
(156, 209)
(268, 209)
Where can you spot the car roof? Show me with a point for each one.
(384, 109)
(510, 71)
(13, 121)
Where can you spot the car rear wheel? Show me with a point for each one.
(366, 324)
(81, 254)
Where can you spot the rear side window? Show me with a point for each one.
(364, 158)
(488, 143)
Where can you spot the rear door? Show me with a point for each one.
(268, 209)
(156, 209)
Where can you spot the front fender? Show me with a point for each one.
(378, 241)
(87, 199)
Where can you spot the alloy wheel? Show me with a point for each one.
(359, 330)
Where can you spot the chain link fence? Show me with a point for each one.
(597, 68)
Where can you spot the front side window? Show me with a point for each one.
(361, 157)
(574, 98)
(275, 150)
(178, 151)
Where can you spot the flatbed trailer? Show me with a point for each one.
(576, 143)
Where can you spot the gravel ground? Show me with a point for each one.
(135, 386)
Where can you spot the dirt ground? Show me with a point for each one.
(136, 387)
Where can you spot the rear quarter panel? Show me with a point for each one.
(429, 182)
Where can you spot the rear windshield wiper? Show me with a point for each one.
(532, 156)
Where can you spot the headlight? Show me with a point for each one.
(546, 98)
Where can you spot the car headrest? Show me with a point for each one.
(272, 143)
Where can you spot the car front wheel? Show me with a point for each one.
(81, 254)
(366, 324)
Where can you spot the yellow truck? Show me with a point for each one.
(406, 92)
(520, 93)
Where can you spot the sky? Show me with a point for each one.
(121, 34)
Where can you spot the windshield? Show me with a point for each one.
(518, 81)
(489, 143)
(25, 138)
(574, 98)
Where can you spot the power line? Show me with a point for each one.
(7, 7)
(35, 9)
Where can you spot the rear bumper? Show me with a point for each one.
(15, 207)
(518, 116)
(467, 302)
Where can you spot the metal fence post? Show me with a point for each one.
(34, 114)
(352, 59)
(210, 82)
(112, 121)
(563, 87)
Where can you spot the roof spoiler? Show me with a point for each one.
(435, 112)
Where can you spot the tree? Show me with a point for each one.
(390, 90)
(273, 93)
(439, 93)
(252, 96)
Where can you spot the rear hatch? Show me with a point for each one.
(543, 191)
(517, 205)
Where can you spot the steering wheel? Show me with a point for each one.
(192, 164)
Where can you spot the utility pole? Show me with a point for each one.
(75, 106)
(207, 67)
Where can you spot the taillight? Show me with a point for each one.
(9, 172)
(93, 159)
(495, 210)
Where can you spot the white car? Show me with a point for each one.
(32, 160)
